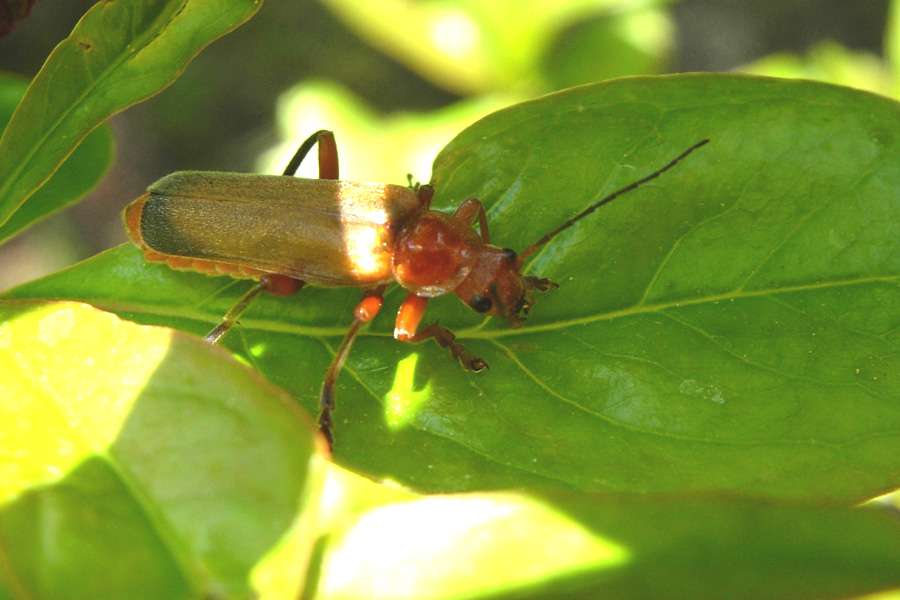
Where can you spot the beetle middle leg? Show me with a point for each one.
(282, 285)
(328, 156)
(468, 210)
(408, 318)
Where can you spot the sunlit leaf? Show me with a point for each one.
(519, 545)
(121, 477)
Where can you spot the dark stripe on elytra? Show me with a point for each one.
(163, 233)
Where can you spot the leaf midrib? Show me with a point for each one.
(477, 332)
(638, 309)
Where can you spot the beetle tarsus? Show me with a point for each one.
(217, 332)
(474, 363)
(445, 339)
(326, 420)
(328, 435)
(541, 284)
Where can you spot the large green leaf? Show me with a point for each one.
(517, 545)
(121, 477)
(119, 53)
(730, 326)
(75, 177)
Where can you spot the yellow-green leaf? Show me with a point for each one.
(121, 477)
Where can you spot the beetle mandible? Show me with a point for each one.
(285, 232)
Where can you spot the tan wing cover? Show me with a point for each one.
(330, 233)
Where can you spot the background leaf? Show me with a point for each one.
(119, 53)
(468, 46)
(13, 12)
(731, 326)
(76, 176)
(121, 478)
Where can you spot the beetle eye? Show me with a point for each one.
(510, 254)
(480, 304)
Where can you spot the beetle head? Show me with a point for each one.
(495, 286)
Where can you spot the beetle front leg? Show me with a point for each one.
(408, 318)
(365, 311)
(444, 338)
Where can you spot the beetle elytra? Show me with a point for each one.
(286, 232)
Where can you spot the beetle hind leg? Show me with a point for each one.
(232, 315)
(278, 285)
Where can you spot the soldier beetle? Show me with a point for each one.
(286, 232)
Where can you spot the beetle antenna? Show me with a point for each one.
(606, 200)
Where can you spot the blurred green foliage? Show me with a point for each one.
(492, 54)
(480, 52)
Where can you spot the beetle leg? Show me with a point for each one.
(444, 338)
(328, 156)
(278, 285)
(425, 193)
(232, 315)
(468, 210)
(365, 311)
(408, 318)
(541, 284)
